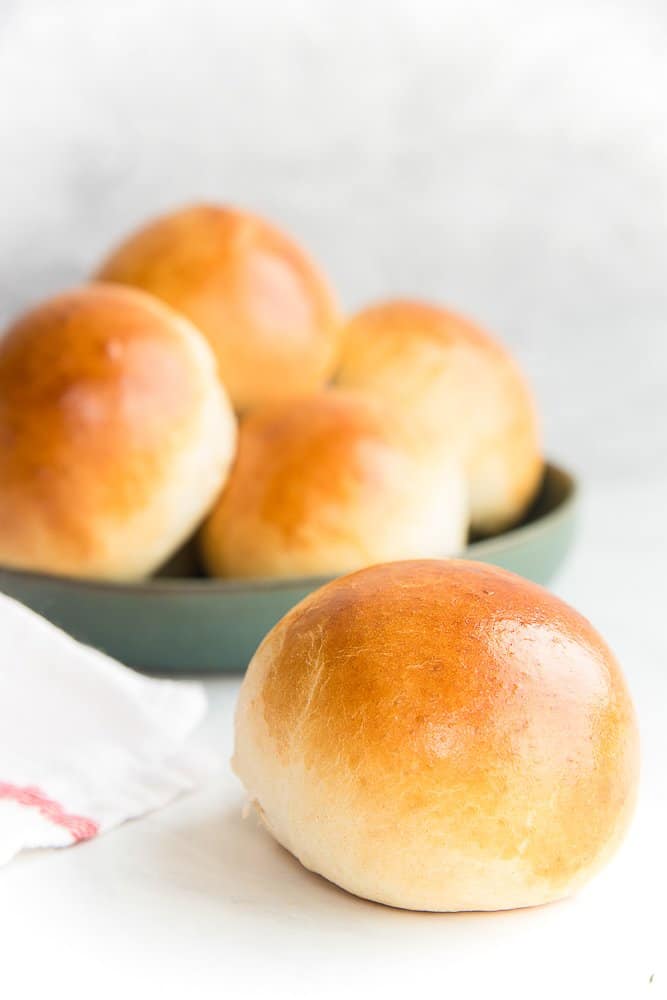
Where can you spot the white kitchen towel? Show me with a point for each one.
(85, 743)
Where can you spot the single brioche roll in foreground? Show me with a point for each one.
(266, 310)
(115, 434)
(439, 735)
(322, 485)
(450, 380)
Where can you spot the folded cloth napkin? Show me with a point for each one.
(85, 743)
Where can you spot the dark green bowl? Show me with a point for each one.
(195, 625)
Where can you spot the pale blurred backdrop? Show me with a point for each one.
(508, 157)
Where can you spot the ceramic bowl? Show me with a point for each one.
(189, 625)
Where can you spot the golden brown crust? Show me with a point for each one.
(266, 309)
(468, 736)
(102, 390)
(452, 381)
(322, 484)
(403, 319)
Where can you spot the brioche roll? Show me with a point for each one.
(323, 485)
(115, 434)
(439, 735)
(451, 380)
(265, 308)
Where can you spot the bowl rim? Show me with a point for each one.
(477, 550)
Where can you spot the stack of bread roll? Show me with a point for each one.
(432, 734)
(205, 385)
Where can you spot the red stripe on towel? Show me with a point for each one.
(79, 827)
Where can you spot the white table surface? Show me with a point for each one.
(196, 901)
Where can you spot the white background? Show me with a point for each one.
(508, 157)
